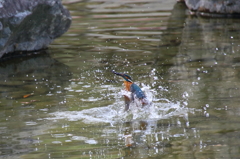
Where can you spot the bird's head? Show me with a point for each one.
(124, 76)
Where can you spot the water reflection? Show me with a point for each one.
(189, 65)
(30, 83)
(205, 67)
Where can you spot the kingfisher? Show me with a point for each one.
(136, 92)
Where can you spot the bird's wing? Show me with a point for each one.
(135, 89)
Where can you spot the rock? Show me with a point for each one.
(214, 7)
(31, 25)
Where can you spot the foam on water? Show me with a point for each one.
(158, 109)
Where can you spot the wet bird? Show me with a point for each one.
(136, 92)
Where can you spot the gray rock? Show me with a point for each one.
(31, 25)
(214, 7)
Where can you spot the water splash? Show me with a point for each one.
(158, 109)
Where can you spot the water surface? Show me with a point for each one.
(65, 102)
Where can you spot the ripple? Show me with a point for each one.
(79, 90)
(132, 15)
(58, 135)
(91, 141)
(30, 123)
(79, 138)
(57, 142)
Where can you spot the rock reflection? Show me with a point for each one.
(216, 59)
(25, 82)
(35, 74)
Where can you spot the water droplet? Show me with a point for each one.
(207, 114)
(226, 107)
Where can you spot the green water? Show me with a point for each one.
(65, 102)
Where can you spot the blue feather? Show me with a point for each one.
(135, 89)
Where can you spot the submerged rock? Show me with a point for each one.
(31, 25)
(214, 7)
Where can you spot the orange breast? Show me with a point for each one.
(127, 85)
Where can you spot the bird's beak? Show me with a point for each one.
(116, 73)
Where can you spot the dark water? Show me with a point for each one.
(65, 102)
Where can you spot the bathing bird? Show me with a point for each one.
(136, 92)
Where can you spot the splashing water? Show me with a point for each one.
(156, 109)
